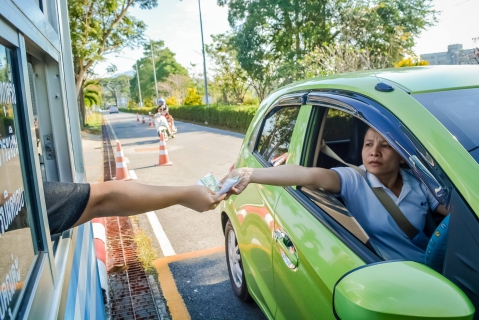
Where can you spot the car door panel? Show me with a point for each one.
(253, 220)
(306, 292)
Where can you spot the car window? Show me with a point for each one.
(276, 134)
(338, 126)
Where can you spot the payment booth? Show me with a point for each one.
(41, 276)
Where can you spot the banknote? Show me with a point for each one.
(229, 183)
(210, 181)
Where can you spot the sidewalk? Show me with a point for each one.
(93, 157)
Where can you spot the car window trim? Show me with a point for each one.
(355, 105)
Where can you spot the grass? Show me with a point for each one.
(145, 252)
(93, 124)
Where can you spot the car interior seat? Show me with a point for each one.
(356, 142)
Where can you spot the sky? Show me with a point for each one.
(178, 24)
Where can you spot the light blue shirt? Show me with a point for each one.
(385, 235)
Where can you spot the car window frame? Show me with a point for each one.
(362, 108)
(287, 101)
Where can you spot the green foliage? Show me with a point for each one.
(165, 65)
(91, 93)
(147, 103)
(115, 88)
(272, 37)
(230, 79)
(192, 98)
(101, 27)
(235, 118)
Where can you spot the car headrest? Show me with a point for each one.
(356, 142)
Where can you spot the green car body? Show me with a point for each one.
(321, 276)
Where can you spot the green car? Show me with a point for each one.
(300, 254)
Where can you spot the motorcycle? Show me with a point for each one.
(162, 125)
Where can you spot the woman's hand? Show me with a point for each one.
(244, 174)
(201, 198)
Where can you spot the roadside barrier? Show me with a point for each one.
(121, 169)
(163, 154)
(99, 235)
(143, 120)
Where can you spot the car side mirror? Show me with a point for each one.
(399, 290)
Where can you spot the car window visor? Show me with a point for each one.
(382, 196)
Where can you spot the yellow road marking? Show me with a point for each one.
(173, 298)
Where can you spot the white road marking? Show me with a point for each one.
(113, 131)
(160, 235)
(133, 175)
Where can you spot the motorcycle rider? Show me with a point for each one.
(166, 113)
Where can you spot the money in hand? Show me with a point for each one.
(210, 181)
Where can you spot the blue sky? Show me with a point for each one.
(177, 23)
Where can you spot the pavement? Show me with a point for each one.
(92, 157)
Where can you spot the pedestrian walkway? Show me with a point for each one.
(92, 157)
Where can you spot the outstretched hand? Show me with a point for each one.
(245, 173)
(201, 198)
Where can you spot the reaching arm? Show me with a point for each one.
(121, 198)
(287, 175)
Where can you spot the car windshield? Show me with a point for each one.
(458, 111)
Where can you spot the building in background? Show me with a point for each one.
(455, 54)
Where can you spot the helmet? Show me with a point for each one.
(161, 102)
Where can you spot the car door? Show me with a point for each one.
(254, 208)
(316, 240)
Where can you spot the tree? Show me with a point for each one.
(165, 64)
(101, 27)
(175, 86)
(232, 80)
(91, 93)
(273, 36)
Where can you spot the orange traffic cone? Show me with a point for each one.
(137, 117)
(150, 124)
(163, 159)
(121, 169)
(143, 120)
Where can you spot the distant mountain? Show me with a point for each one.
(129, 73)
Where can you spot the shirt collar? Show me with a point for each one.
(375, 183)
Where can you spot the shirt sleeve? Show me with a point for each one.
(65, 202)
(431, 200)
(350, 181)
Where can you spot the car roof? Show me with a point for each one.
(419, 79)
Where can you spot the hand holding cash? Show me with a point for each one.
(211, 182)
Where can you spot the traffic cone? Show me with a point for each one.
(143, 120)
(121, 169)
(163, 158)
(137, 117)
(150, 124)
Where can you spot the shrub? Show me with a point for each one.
(192, 97)
(172, 101)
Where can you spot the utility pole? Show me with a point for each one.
(154, 69)
(204, 58)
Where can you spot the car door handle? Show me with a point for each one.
(287, 249)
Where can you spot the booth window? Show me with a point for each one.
(16, 242)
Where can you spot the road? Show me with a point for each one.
(192, 245)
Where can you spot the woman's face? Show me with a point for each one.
(379, 157)
(159, 109)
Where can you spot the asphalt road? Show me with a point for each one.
(196, 260)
